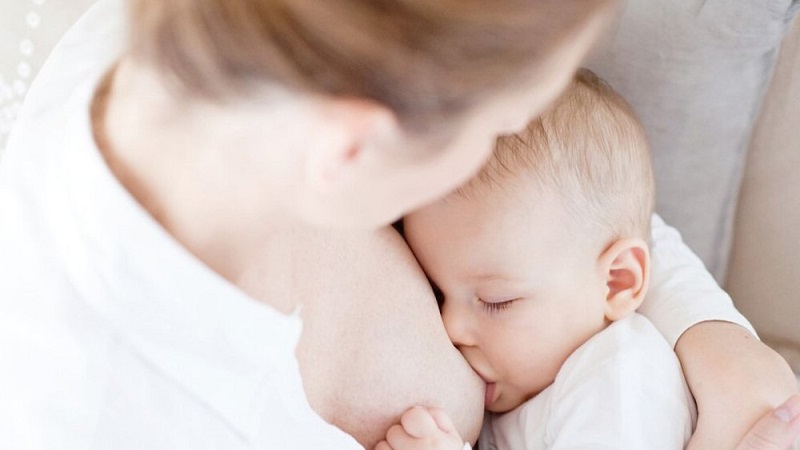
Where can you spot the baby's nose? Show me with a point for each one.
(457, 324)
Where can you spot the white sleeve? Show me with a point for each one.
(631, 397)
(682, 293)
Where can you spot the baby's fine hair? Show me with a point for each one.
(590, 150)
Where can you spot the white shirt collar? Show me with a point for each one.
(180, 316)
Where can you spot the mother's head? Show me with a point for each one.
(365, 109)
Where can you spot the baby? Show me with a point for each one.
(540, 263)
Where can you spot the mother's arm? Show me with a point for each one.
(736, 380)
(373, 343)
(734, 377)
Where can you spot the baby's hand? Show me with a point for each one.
(422, 428)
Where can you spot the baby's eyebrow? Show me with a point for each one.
(496, 276)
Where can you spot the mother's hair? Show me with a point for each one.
(425, 60)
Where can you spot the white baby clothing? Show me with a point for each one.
(621, 390)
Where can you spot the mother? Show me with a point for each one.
(172, 220)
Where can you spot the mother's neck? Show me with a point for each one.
(214, 176)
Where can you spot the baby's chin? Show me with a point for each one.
(504, 404)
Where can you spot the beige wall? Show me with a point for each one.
(764, 275)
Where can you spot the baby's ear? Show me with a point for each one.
(626, 267)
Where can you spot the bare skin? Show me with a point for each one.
(722, 424)
(365, 287)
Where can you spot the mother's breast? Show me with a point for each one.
(373, 343)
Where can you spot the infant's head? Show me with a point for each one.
(547, 245)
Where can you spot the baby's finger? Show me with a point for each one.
(419, 423)
(442, 420)
(383, 445)
(397, 438)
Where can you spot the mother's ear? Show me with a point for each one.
(626, 268)
(345, 127)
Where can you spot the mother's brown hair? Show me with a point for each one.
(424, 59)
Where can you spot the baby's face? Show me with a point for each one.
(520, 294)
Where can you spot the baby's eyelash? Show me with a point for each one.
(493, 308)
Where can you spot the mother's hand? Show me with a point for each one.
(777, 430)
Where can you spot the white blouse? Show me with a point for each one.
(111, 334)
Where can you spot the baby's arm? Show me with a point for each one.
(734, 377)
(424, 429)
